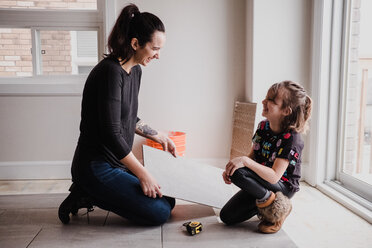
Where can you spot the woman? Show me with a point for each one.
(105, 172)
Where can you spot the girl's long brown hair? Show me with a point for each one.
(294, 97)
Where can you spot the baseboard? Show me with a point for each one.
(25, 170)
(305, 170)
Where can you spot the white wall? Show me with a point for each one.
(192, 88)
(38, 128)
(38, 135)
(281, 44)
(281, 36)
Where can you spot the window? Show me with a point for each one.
(56, 4)
(40, 39)
(340, 146)
(15, 52)
(355, 171)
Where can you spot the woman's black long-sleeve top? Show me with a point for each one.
(108, 115)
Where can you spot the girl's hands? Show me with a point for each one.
(226, 178)
(166, 142)
(149, 186)
(235, 164)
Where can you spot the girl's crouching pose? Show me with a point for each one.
(270, 174)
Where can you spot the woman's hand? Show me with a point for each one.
(145, 131)
(149, 186)
(234, 164)
(226, 178)
(166, 142)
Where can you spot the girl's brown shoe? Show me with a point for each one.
(273, 213)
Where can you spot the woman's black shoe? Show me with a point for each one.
(75, 200)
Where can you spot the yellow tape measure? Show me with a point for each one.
(193, 227)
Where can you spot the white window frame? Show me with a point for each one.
(328, 75)
(99, 20)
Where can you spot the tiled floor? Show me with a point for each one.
(31, 221)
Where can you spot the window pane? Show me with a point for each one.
(63, 52)
(15, 52)
(55, 4)
(358, 148)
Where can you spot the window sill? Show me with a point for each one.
(347, 199)
(71, 85)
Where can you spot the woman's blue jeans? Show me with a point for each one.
(118, 191)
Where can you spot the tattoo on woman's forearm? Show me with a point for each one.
(145, 129)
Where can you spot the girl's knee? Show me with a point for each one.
(225, 216)
(238, 175)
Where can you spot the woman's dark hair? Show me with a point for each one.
(130, 24)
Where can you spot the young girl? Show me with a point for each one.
(270, 174)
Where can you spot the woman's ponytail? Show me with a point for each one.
(118, 39)
(130, 24)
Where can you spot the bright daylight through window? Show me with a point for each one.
(59, 51)
(356, 169)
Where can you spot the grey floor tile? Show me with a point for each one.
(116, 220)
(97, 217)
(217, 235)
(49, 216)
(19, 226)
(17, 236)
(38, 217)
(31, 201)
(189, 212)
(98, 236)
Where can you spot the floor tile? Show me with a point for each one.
(49, 216)
(189, 212)
(31, 201)
(17, 236)
(9, 187)
(331, 223)
(216, 234)
(314, 222)
(98, 236)
(116, 220)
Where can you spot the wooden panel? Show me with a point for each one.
(243, 127)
